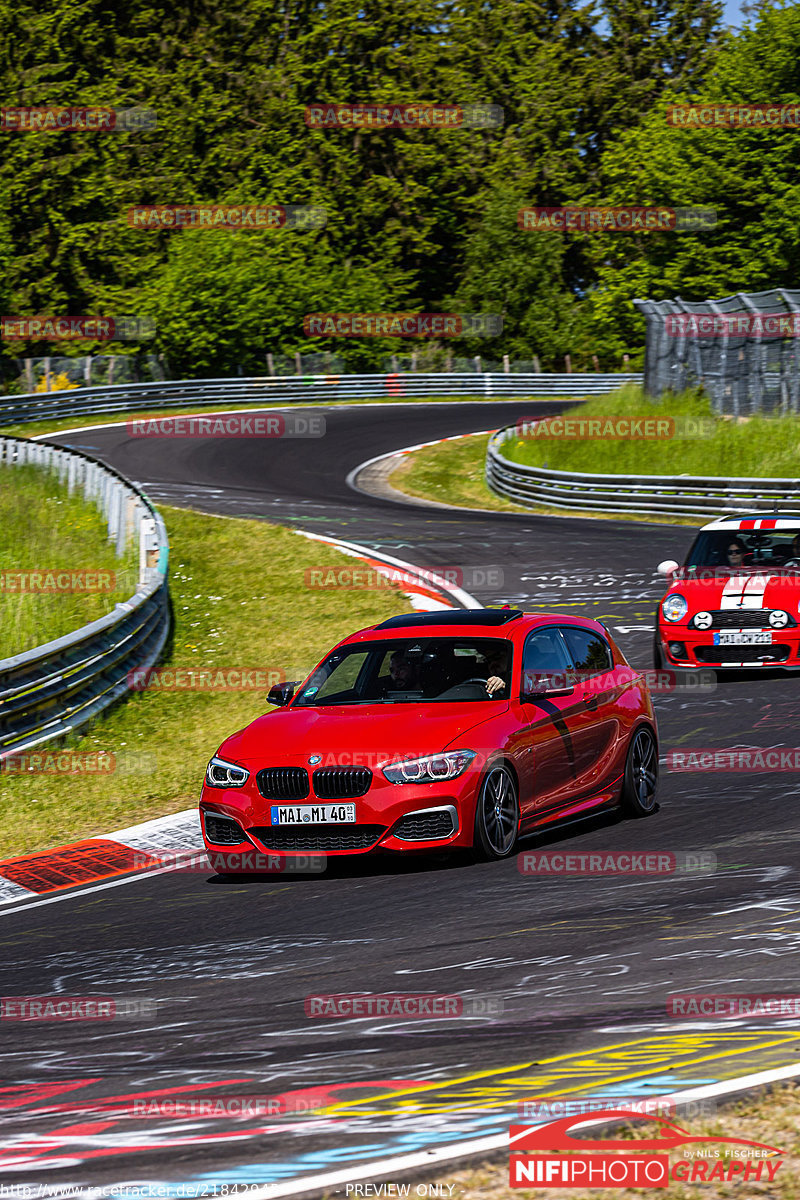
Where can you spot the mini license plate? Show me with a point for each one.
(316, 814)
(732, 637)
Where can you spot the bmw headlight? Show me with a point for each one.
(222, 774)
(674, 607)
(433, 768)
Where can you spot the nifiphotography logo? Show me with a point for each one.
(537, 1156)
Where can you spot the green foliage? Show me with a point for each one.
(749, 175)
(418, 220)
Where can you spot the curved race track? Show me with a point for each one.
(582, 966)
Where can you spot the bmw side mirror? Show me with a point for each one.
(667, 567)
(281, 694)
(539, 687)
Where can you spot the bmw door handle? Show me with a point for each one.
(590, 701)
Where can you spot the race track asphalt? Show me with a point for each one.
(580, 967)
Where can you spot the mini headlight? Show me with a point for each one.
(222, 774)
(674, 607)
(433, 768)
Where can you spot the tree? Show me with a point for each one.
(749, 175)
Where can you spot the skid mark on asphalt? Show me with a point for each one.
(393, 1116)
(486, 1102)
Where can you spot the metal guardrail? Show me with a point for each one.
(60, 686)
(42, 406)
(743, 349)
(55, 688)
(677, 496)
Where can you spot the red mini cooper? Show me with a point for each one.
(734, 602)
(438, 730)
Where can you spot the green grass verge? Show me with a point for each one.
(33, 428)
(240, 602)
(758, 446)
(453, 473)
(43, 529)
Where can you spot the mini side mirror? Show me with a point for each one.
(667, 567)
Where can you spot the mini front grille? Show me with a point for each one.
(741, 654)
(743, 618)
(340, 783)
(223, 831)
(424, 827)
(318, 837)
(283, 783)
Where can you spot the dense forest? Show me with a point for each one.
(418, 219)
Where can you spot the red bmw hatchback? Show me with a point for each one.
(439, 730)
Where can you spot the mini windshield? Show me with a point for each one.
(405, 670)
(744, 550)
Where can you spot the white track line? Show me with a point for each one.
(488, 1145)
(68, 894)
(426, 574)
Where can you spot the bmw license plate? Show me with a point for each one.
(731, 637)
(318, 814)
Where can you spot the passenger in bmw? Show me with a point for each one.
(403, 673)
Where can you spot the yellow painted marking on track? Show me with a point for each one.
(586, 1064)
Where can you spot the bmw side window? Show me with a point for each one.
(590, 653)
(544, 658)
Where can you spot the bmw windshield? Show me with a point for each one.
(410, 670)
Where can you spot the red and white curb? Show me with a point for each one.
(127, 851)
(138, 848)
(427, 591)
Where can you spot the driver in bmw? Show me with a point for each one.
(496, 666)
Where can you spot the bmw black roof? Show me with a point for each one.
(459, 616)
